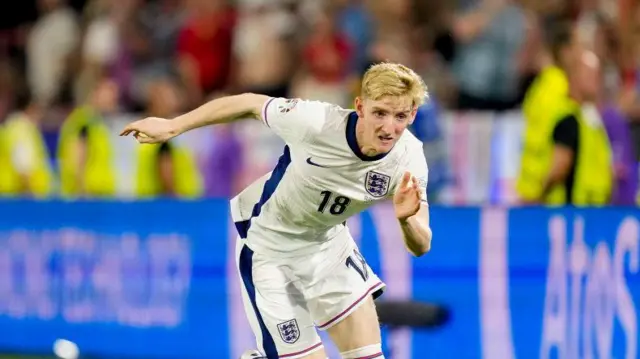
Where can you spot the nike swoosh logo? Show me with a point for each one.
(313, 163)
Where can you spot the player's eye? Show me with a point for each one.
(401, 116)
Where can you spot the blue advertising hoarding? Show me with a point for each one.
(156, 279)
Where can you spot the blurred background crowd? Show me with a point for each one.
(72, 72)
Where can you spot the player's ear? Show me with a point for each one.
(412, 117)
(359, 106)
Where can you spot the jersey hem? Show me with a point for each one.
(350, 309)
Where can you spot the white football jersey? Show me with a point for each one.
(321, 179)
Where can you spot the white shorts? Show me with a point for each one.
(287, 299)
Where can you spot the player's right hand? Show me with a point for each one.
(406, 200)
(151, 130)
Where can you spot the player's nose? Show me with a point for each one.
(388, 129)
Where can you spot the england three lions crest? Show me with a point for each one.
(377, 184)
(289, 331)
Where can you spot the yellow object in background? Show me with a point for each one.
(186, 177)
(94, 174)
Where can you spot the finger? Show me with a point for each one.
(415, 183)
(415, 187)
(128, 129)
(142, 138)
(404, 183)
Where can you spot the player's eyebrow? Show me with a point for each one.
(403, 112)
(377, 108)
(383, 109)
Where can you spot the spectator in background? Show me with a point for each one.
(355, 22)
(629, 98)
(50, 47)
(26, 170)
(158, 24)
(224, 162)
(580, 171)
(147, 40)
(394, 25)
(169, 169)
(489, 64)
(162, 21)
(101, 42)
(542, 108)
(85, 151)
(224, 165)
(582, 163)
(263, 48)
(607, 47)
(625, 163)
(205, 48)
(327, 59)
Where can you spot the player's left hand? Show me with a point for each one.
(406, 200)
(150, 130)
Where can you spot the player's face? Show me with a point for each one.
(382, 122)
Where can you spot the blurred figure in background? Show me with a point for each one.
(542, 106)
(263, 47)
(26, 170)
(327, 61)
(102, 23)
(581, 170)
(224, 165)
(625, 164)
(491, 37)
(85, 151)
(204, 48)
(157, 25)
(146, 46)
(223, 162)
(356, 23)
(168, 169)
(50, 47)
(629, 97)
(616, 123)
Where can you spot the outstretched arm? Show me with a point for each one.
(221, 110)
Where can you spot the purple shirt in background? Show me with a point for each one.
(223, 165)
(626, 182)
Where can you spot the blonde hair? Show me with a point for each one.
(390, 79)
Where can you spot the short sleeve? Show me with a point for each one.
(417, 166)
(566, 133)
(294, 119)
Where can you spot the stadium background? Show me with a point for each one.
(125, 272)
